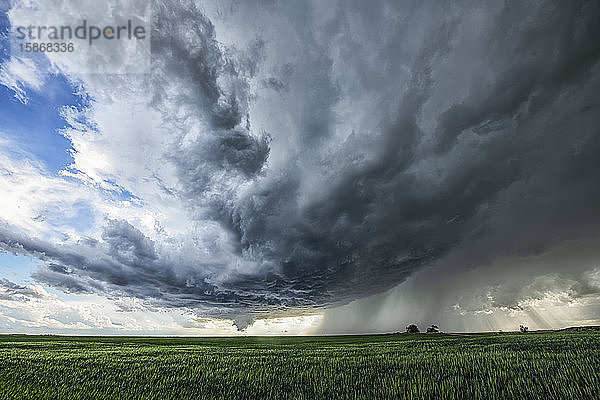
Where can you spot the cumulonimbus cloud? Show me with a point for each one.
(331, 154)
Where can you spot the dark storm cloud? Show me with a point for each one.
(194, 81)
(124, 264)
(472, 122)
(525, 138)
(550, 290)
(380, 222)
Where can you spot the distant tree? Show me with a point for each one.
(523, 329)
(433, 329)
(412, 328)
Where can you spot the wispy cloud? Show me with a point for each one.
(20, 75)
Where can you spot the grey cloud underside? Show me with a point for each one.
(14, 292)
(478, 120)
(550, 290)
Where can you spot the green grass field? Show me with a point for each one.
(558, 365)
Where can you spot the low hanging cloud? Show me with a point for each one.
(286, 157)
(15, 292)
(554, 289)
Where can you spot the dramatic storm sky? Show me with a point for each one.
(305, 167)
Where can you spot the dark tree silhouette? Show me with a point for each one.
(433, 329)
(523, 329)
(412, 328)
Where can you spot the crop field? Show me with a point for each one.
(557, 365)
